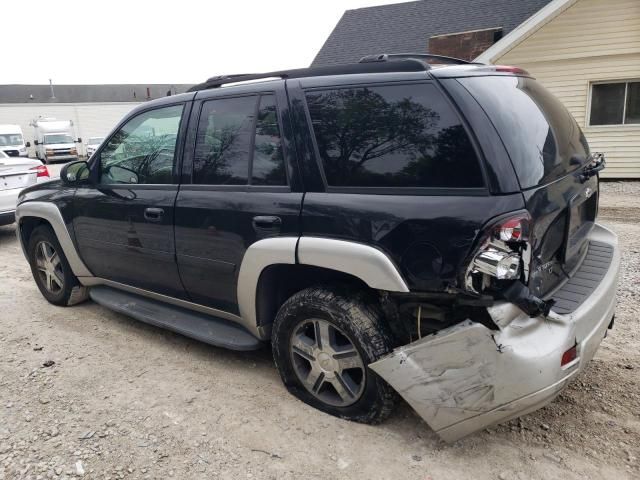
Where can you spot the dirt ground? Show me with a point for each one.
(122, 399)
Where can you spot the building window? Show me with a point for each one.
(615, 103)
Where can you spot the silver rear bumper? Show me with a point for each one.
(468, 377)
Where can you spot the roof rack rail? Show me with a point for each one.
(425, 57)
(401, 63)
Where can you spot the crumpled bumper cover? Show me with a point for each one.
(468, 377)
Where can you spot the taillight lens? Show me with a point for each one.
(41, 170)
(514, 229)
(569, 356)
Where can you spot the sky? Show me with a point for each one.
(140, 41)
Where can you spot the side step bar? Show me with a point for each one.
(208, 329)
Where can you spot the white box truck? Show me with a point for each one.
(55, 140)
(12, 141)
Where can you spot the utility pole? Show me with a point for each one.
(53, 95)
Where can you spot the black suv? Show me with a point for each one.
(389, 226)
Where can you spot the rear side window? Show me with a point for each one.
(541, 137)
(238, 143)
(402, 136)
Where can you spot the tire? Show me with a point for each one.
(51, 270)
(349, 316)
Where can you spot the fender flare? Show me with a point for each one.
(365, 262)
(50, 212)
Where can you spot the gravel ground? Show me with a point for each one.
(85, 391)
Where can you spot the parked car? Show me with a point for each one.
(16, 173)
(389, 226)
(54, 140)
(92, 145)
(12, 141)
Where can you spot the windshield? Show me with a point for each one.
(10, 139)
(58, 138)
(95, 140)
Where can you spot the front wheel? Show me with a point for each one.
(51, 270)
(323, 341)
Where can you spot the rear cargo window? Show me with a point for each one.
(542, 138)
(392, 136)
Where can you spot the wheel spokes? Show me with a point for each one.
(347, 360)
(323, 335)
(302, 348)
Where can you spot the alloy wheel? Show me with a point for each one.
(327, 363)
(49, 267)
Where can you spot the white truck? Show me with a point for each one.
(12, 141)
(54, 140)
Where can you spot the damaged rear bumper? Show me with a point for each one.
(468, 377)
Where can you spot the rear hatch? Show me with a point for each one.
(548, 152)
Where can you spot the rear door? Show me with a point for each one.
(239, 186)
(124, 223)
(548, 152)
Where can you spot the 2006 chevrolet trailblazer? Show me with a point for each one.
(387, 225)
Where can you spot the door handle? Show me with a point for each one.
(267, 222)
(153, 214)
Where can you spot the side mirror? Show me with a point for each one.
(75, 173)
(28, 144)
(79, 140)
(35, 142)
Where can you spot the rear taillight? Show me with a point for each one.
(503, 253)
(514, 229)
(569, 356)
(41, 170)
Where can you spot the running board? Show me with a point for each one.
(208, 329)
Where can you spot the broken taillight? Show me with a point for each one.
(502, 252)
(513, 229)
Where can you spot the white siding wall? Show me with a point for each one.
(593, 40)
(89, 119)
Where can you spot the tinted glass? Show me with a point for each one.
(541, 137)
(268, 162)
(607, 104)
(632, 112)
(143, 151)
(223, 141)
(392, 136)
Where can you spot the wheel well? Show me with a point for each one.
(28, 225)
(278, 282)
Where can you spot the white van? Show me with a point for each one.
(54, 140)
(12, 141)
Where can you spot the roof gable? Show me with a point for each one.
(407, 27)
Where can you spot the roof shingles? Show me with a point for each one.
(406, 27)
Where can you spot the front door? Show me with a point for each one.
(124, 224)
(238, 188)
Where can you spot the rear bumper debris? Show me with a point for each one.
(468, 377)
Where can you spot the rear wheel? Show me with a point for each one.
(51, 270)
(323, 339)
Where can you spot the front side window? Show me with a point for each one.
(238, 143)
(615, 103)
(143, 150)
(392, 136)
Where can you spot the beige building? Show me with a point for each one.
(587, 52)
